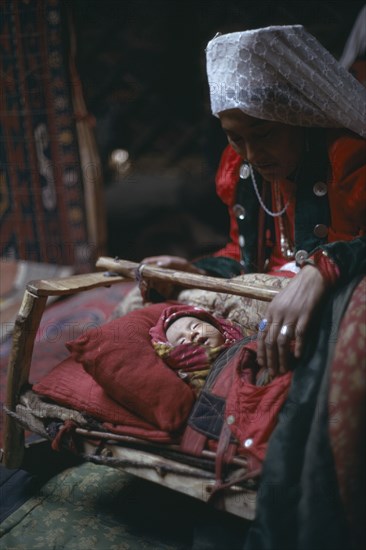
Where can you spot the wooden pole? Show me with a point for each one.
(25, 330)
(188, 280)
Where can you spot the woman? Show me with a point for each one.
(276, 90)
(293, 177)
(297, 119)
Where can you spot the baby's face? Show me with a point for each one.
(190, 330)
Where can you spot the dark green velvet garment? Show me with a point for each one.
(299, 505)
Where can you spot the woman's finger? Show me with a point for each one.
(262, 332)
(284, 338)
(267, 353)
(300, 337)
(271, 349)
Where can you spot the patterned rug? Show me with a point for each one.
(63, 321)
(42, 205)
(103, 508)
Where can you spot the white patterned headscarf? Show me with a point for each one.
(283, 74)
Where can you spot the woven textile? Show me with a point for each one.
(42, 203)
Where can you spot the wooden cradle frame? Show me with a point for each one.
(163, 464)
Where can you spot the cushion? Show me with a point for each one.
(120, 357)
(68, 384)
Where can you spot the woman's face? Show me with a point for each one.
(190, 330)
(273, 149)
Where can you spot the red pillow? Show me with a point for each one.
(68, 384)
(120, 357)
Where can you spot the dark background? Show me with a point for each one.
(142, 65)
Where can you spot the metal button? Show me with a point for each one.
(241, 241)
(239, 211)
(300, 256)
(320, 189)
(320, 230)
(244, 171)
(248, 442)
(230, 419)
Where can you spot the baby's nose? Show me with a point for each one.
(198, 337)
(194, 335)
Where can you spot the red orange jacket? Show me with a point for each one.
(346, 183)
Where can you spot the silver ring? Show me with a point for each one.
(262, 325)
(284, 330)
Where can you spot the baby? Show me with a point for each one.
(188, 339)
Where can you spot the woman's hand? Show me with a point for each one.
(288, 317)
(164, 289)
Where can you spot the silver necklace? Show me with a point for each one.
(273, 214)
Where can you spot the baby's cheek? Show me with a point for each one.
(218, 339)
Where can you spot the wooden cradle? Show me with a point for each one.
(164, 464)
